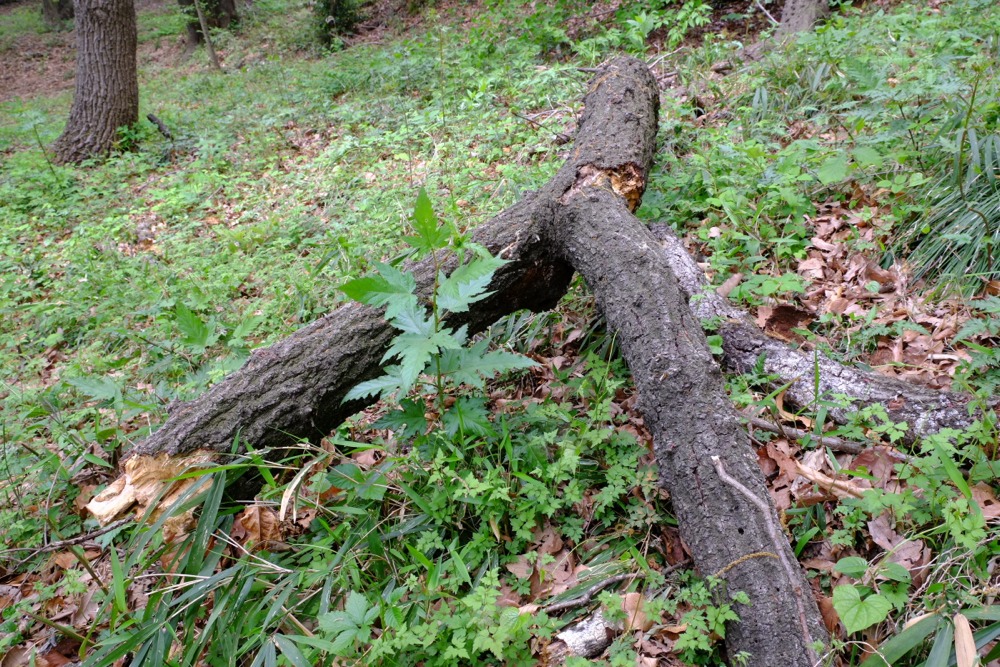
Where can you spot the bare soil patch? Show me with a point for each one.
(45, 63)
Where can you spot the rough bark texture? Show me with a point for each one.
(925, 411)
(801, 15)
(683, 401)
(294, 389)
(107, 90)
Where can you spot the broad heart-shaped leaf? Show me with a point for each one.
(833, 170)
(390, 288)
(429, 236)
(383, 386)
(857, 613)
(415, 351)
(474, 364)
(852, 566)
(467, 284)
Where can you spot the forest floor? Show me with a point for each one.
(808, 185)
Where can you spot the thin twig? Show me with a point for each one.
(70, 541)
(834, 443)
(589, 594)
(214, 59)
(766, 13)
(780, 547)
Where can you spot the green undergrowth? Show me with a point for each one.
(146, 278)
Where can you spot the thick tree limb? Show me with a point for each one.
(925, 411)
(684, 404)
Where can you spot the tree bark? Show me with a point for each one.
(107, 89)
(683, 401)
(580, 220)
(55, 12)
(801, 15)
(217, 14)
(811, 377)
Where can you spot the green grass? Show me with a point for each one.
(20, 21)
(144, 279)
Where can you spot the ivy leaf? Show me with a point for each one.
(857, 613)
(853, 566)
(429, 236)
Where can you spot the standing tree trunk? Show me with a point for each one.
(801, 15)
(217, 14)
(55, 12)
(107, 90)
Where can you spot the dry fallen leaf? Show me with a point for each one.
(633, 605)
(986, 498)
(965, 643)
(257, 525)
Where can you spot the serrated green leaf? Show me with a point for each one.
(196, 332)
(857, 613)
(382, 386)
(390, 288)
(414, 320)
(833, 170)
(245, 328)
(429, 236)
(344, 642)
(853, 566)
(415, 351)
(99, 389)
(473, 365)
(467, 284)
(336, 622)
(468, 414)
(407, 421)
(356, 607)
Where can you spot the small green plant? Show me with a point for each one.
(705, 619)
(426, 346)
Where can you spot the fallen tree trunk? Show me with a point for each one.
(730, 526)
(581, 219)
